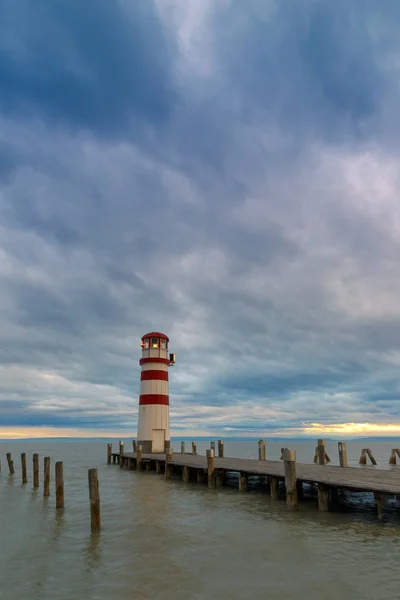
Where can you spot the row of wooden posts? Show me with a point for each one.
(94, 495)
(320, 455)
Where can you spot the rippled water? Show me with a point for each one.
(170, 541)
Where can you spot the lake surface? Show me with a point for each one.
(166, 540)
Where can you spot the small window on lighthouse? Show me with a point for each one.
(163, 343)
(154, 342)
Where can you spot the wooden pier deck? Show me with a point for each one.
(328, 480)
(365, 479)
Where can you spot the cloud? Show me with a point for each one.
(223, 173)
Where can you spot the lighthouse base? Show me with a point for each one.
(150, 447)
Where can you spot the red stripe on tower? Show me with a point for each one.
(154, 399)
(154, 374)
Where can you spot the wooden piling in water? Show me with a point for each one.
(212, 447)
(323, 498)
(200, 476)
(121, 454)
(321, 452)
(59, 472)
(261, 450)
(10, 463)
(139, 457)
(194, 448)
(392, 459)
(289, 458)
(109, 452)
(134, 445)
(36, 470)
(94, 498)
(168, 466)
(363, 458)
(23, 468)
(182, 447)
(46, 477)
(273, 487)
(186, 474)
(342, 454)
(243, 481)
(210, 468)
(380, 504)
(371, 457)
(221, 448)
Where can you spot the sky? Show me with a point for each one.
(224, 172)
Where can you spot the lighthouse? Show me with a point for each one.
(153, 420)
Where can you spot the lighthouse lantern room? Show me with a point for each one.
(153, 420)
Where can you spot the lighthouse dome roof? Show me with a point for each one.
(156, 334)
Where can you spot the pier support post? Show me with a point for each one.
(121, 454)
(380, 504)
(168, 466)
(342, 454)
(23, 467)
(59, 485)
(194, 448)
(36, 470)
(243, 481)
(220, 448)
(273, 487)
(186, 474)
(109, 452)
(210, 467)
(158, 467)
(212, 447)
(182, 447)
(261, 450)
(94, 497)
(321, 452)
(323, 498)
(139, 457)
(200, 476)
(289, 458)
(10, 463)
(46, 478)
(219, 478)
(392, 459)
(134, 445)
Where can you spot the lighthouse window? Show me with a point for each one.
(163, 343)
(154, 342)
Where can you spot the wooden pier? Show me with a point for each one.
(213, 470)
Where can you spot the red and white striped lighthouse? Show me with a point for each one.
(153, 421)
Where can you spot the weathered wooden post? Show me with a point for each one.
(0, 466)
(182, 447)
(261, 450)
(380, 504)
(392, 459)
(323, 498)
(200, 476)
(36, 470)
(186, 474)
(342, 454)
(221, 448)
(23, 468)
(168, 466)
(212, 447)
(194, 448)
(109, 452)
(273, 487)
(243, 480)
(134, 445)
(59, 485)
(46, 477)
(371, 457)
(289, 458)
(321, 452)
(10, 463)
(139, 456)
(94, 497)
(363, 457)
(210, 468)
(121, 454)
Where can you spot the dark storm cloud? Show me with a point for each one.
(88, 64)
(208, 173)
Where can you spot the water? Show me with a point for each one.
(170, 541)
